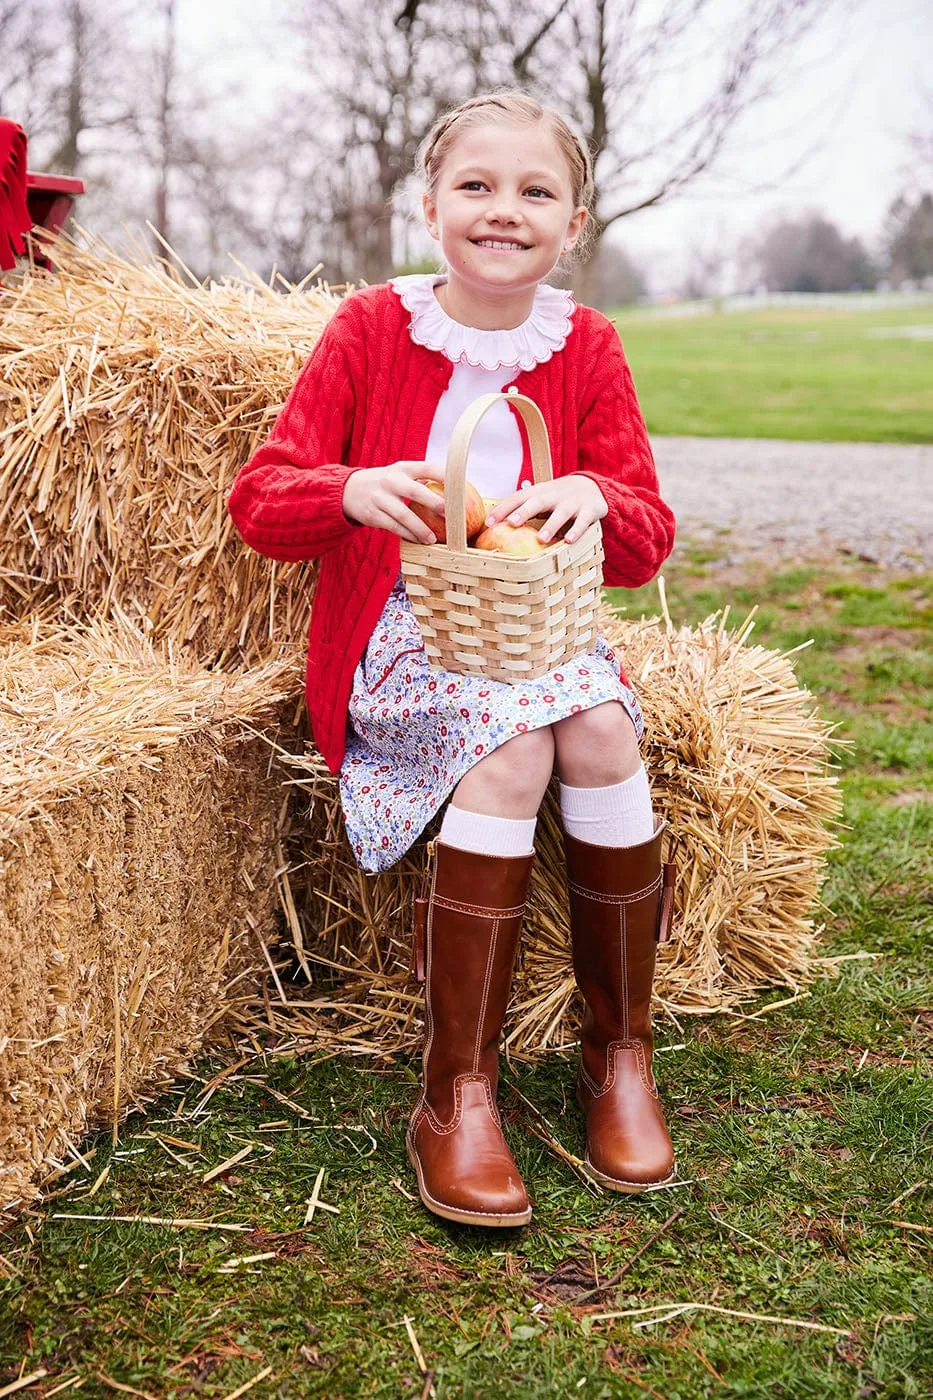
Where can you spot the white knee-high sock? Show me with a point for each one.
(619, 815)
(488, 836)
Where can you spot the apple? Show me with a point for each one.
(539, 521)
(476, 512)
(535, 523)
(518, 541)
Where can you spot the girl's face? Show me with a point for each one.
(503, 209)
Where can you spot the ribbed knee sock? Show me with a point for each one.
(488, 836)
(619, 815)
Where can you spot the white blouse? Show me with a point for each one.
(484, 362)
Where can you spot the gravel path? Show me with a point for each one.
(802, 499)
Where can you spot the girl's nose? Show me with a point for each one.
(504, 213)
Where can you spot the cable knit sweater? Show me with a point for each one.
(366, 397)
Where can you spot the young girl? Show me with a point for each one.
(507, 184)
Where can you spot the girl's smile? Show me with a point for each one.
(500, 246)
(503, 212)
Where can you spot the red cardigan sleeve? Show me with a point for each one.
(287, 500)
(638, 529)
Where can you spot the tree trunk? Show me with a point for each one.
(67, 157)
(585, 273)
(164, 122)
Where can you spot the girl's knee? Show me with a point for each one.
(602, 740)
(608, 724)
(526, 762)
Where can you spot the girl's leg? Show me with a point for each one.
(464, 1167)
(620, 899)
(511, 781)
(604, 795)
(495, 806)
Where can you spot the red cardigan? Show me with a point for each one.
(366, 397)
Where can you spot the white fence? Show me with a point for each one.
(812, 301)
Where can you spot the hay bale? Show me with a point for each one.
(740, 767)
(130, 395)
(139, 821)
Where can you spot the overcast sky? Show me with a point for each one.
(846, 117)
(844, 112)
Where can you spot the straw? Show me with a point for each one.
(129, 398)
(741, 766)
(138, 828)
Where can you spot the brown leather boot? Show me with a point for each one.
(620, 907)
(465, 1169)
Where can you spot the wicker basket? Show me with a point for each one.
(490, 615)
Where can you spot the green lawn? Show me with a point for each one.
(803, 1140)
(818, 375)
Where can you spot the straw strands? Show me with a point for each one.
(139, 820)
(129, 397)
(739, 765)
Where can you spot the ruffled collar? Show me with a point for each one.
(532, 343)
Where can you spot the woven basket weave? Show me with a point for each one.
(490, 615)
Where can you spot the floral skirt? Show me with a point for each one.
(414, 730)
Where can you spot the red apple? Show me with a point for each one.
(541, 520)
(518, 541)
(476, 512)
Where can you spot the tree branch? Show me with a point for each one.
(521, 59)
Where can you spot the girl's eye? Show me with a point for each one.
(481, 185)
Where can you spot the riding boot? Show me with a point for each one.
(620, 907)
(474, 915)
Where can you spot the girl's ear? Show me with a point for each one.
(429, 208)
(575, 228)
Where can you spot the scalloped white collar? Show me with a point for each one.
(532, 343)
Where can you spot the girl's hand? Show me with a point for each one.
(570, 498)
(378, 496)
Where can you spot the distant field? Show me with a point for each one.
(824, 375)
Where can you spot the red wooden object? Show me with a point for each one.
(50, 198)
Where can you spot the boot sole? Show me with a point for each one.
(627, 1188)
(463, 1217)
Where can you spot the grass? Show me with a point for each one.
(801, 373)
(803, 1139)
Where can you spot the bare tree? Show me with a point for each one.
(907, 235)
(918, 171)
(28, 86)
(809, 254)
(185, 163)
(63, 76)
(615, 280)
(908, 239)
(377, 76)
(658, 91)
(709, 256)
(164, 117)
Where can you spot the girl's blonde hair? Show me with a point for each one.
(517, 107)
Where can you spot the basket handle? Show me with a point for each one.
(459, 450)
